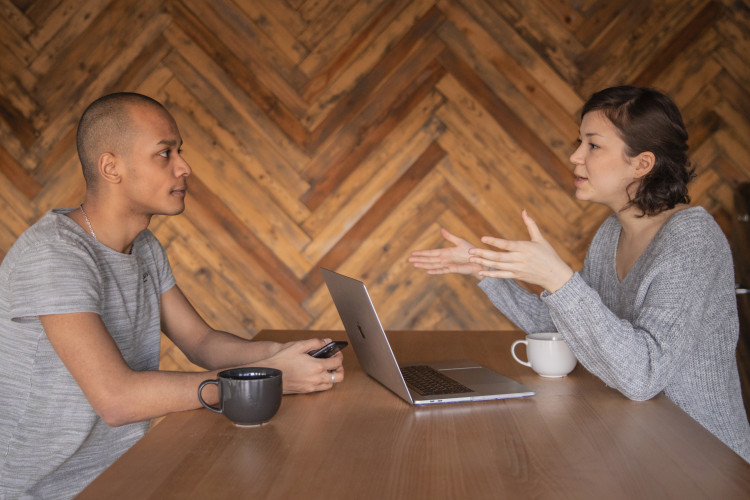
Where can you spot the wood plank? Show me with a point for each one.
(271, 228)
(391, 66)
(278, 182)
(510, 122)
(18, 176)
(353, 25)
(390, 104)
(377, 212)
(499, 19)
(277, 30)
(684, 38)
(638, 41)
(324, 18)
(243, 39)
(398, 149)
(14, 43)
(251, 73)
(14, 15)
(221, 226)
(246, 101)
(597, 17)
(70, 77)
(692, 71)
(505, 78)
(22, 128)
(64, 25)
(363, 63)
(286, 13)
(345, 133)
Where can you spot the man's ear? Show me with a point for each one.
(644, 162)
(109, 167)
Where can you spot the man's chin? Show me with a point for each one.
(172, 211)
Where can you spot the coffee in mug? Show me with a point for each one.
(547, 354)
(247, 396)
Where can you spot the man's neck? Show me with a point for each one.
(110, 226)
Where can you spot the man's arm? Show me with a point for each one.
(117, 393)
(214, 349)
(204, 346)
(121, 395)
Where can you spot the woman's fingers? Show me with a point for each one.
(531, 227)
(452, 238)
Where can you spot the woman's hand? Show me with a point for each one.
(446, 260)
(302, 372)
(534, 261)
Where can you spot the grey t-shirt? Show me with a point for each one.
(669, 326)
(52, 443)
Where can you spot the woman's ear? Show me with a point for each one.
(644, 162)
(109, 168)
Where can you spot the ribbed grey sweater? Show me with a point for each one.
(671, 325)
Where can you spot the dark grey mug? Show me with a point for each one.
(247, 396)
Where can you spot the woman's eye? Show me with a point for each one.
(593, 146)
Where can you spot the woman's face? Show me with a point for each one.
(603, 171)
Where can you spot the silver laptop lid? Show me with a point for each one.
(365, 332)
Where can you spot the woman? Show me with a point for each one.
(653, 308)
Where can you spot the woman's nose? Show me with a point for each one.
(577, 157)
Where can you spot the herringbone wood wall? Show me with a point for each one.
(344, 133)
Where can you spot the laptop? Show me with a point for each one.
(448, 381)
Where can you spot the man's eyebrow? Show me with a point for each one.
(168, 142)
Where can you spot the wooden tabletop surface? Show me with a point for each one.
(576, 438)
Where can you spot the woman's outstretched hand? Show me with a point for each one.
(533, 261)
(453, 259)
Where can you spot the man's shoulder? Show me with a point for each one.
(54, 225)
(146, 240)
(52, 234)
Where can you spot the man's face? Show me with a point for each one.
(154, 174)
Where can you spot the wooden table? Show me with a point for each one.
(575, 439)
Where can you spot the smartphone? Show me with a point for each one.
(329, 349)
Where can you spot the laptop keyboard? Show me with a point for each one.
(427, 381)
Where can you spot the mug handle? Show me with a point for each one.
(513, 352)
(200, 398)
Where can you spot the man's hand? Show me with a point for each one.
(302, 372)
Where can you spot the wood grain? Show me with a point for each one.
(576, 438)
(345, 133)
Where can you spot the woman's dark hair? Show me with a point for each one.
(648, 120)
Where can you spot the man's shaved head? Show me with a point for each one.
(107, 126)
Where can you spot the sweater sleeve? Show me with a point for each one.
(522, 307)
(640, 352)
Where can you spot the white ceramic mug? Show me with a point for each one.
(548, 354)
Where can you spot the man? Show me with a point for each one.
(84, 294)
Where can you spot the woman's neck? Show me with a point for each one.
(635, 226)
(636, 235)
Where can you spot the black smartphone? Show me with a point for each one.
(329, 349)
